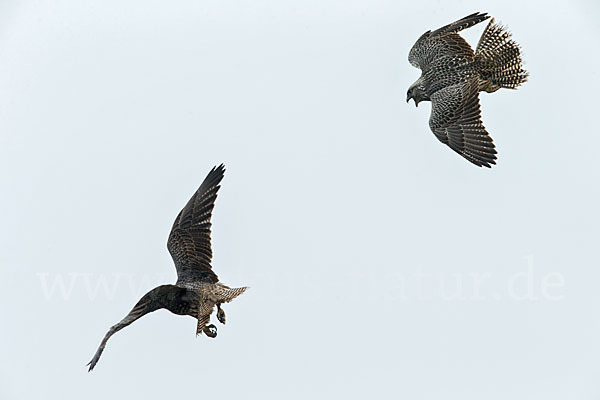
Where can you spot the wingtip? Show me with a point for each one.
(463, 23)
(216, 173)
(481, 15)
(477, 14)
(487, 163)
(219, 169)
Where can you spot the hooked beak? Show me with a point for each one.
(415, 100)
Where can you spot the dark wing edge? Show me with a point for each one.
(189, 241)
(456, 121)
(151, 301)
(461, 24)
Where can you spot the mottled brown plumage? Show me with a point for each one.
(452, 77)
(197, 290)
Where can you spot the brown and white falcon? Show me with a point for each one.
(197, 290)
(452, 77)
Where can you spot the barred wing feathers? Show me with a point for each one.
(189, 241)
(456, 121)
(444, 41)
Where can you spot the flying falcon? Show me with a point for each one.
(197, 289)
(452, 77)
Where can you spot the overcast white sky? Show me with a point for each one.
(380, 262)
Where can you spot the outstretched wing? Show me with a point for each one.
(444, 41)
(151, 301)
(456, 121)
(189, 240)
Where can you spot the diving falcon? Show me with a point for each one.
(452, 77)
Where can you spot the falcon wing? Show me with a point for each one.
(461, 24)
(444, 41)
(151, 301)
(456, 121)
(189, 240)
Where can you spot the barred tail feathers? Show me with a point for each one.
(499, 59)
(231, 293)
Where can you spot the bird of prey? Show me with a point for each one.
(197, 289)
(452, 77)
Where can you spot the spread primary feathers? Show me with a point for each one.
(452, 77)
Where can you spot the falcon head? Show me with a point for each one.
(417, 92)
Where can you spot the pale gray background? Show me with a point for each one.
(337, 198)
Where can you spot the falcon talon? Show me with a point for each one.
(220, 315)
(210, 331)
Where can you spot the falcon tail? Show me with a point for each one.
(231, 293)
(499, 60)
